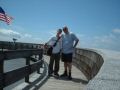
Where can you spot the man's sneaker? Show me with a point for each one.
(69, 77)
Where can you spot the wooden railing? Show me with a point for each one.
(7, 78)
(19, 45)
(87, 61)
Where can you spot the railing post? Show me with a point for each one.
(28, 64)
(1, 74)
(40, 58)
(2, 46)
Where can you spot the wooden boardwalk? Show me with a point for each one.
(77, 83)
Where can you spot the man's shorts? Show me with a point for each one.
(67, 57)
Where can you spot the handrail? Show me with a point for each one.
(19, 45)
(7, 78)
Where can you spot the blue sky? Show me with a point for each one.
(95, 22)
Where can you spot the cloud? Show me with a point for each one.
(106, 39)
(27, 35)
(110, 53)
(31, 40)
(80, 35)
(9, 33)
(39, 40)
(116, 31)
(52, 32)
(109, 41)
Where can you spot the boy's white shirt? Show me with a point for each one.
(58, 46)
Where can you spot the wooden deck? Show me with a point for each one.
(78, 82)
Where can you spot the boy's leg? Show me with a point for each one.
(51, 62)
(57, 61)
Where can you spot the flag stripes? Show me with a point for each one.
(4, 17)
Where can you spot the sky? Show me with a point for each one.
(95, 22)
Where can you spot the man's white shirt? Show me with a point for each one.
(68, 42)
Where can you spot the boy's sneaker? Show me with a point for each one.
(56, 74)
(50, 73)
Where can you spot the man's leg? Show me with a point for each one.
(69, 69)
(65, 70)
(65, 65)
(69, 66)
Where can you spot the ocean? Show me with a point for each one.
(12, 65)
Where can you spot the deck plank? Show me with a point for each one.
(78, 82)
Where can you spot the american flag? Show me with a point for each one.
(4, 17)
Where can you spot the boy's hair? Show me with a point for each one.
(59, 30)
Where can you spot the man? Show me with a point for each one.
(55, 57)
(69, 42)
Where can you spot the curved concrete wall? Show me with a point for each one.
(88, 61)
